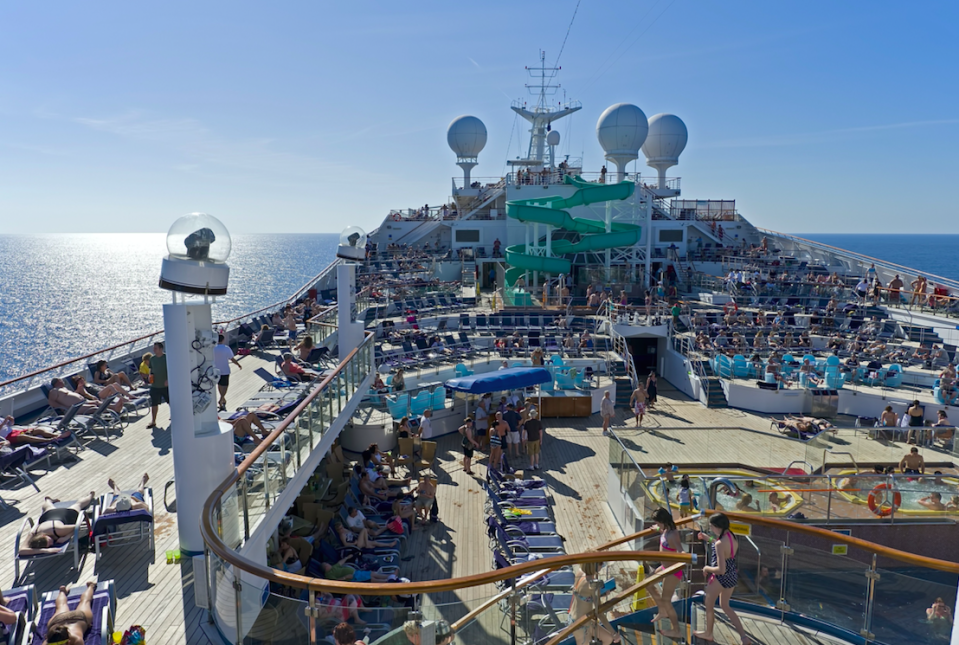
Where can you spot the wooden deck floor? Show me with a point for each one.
(575, 457)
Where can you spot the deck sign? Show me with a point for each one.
(741, 528)
(840, 549)
(846, 532)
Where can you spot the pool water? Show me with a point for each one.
(910, 490)
(698, 485)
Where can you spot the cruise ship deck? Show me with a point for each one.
(576, 456)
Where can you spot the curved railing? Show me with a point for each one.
(231, 505)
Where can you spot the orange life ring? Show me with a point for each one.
(396, 217)
(878, 503)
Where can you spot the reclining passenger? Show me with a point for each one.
(97, 393)
(343, 571)
(294, 372)
(62, 398)
(360, 540)
(56, 525)
(18, 436)
(243, 427)
(70, 626)
(136, 501)
(102, 375)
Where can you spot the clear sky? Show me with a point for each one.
(305, 116)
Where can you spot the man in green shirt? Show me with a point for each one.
(159, 386)
(676, 310)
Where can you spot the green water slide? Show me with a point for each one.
(551, 211)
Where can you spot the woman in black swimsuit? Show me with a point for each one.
(56, 524)
(723, 575)
(71, 625)
(651, 390)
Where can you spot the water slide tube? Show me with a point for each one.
(551, 211)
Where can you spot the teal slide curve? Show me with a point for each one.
(551, 211)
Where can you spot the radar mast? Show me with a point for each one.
(543, 113)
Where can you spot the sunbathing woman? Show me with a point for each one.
(303, 348)
(93, 392)
(135, 501)
(102, 375)
(70, 626)
(56, 525)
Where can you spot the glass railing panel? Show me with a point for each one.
(832, 588)
(901, 604)
(229, 520)
(281, 621)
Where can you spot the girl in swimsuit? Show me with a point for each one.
(496, 440)
(71, 625)
(582, 604)
(669, 540)
(723, 576)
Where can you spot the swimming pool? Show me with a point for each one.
(699, 481)
(911, 491)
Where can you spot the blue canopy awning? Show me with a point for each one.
(501, 380)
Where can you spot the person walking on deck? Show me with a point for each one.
(637, 401)
(608, 410)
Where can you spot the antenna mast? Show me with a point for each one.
(543, 113)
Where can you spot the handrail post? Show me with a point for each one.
(512, 613)
(246, 508)
(266, 479)
(786, 551)
(871, 576)
(238, 593)
(311, 612)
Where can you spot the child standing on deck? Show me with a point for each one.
(685, 503)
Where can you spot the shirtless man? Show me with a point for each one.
(56, 525)
(135, 501)
(62, 398)
(637, 401)
(70, 626)
(243, 427)
(933, 502)
(913, 463)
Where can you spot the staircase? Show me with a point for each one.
(715, 396)
(921, 334)
(624, 385)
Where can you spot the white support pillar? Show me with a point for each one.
(349, 332)
(609, 228)
(202, 453)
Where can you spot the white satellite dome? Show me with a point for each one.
(552, 139)
(621, 130)
(466, 136)
(666, 139)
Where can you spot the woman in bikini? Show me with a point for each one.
(67, 625)
(722, 575)
(496, 440)
(582, 604)
(669, 540)
(56, 525)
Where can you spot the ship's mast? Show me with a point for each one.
(543, 114)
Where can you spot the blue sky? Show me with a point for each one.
(305, 116)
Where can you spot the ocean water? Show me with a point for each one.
(63, 296)
(934, 254)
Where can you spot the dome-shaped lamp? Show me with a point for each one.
(352, 244)
(665, 142)
(466, 136)
(199, 246)
(621, 131)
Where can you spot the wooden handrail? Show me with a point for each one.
(838, 538)
(612, 602)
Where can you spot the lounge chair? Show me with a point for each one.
(121, 528)
(23, 602)
(104, 609)
(63, 512)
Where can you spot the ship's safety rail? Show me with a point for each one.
(128, 352)
(789, 557)
(785, 568)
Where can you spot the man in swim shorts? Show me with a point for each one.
(69, 626)
(913, 463)
(135, 501)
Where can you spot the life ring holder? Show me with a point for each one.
(882, 509)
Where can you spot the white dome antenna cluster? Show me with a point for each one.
(621, 131)
(665, 142)
(466, 137)
(552, 140)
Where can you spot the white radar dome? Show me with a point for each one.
(466, 136)
(552, 139)
(666, 139)
(621, 130)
